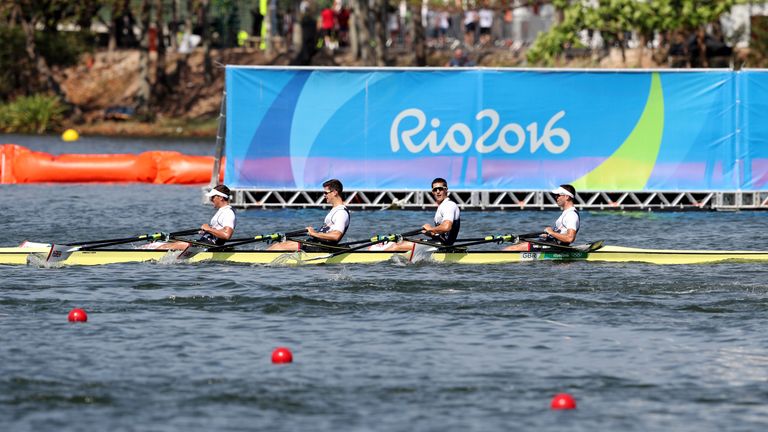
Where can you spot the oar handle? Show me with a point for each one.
(185, 232)
(509, 238)
(295, 233)
(531, 235)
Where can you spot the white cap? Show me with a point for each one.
(214, 192)
(562, 191)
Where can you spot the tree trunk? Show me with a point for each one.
(268, 30)
(206, 38)
(354, 43)
(380, 11)
(364, 17)
(46, 79)
(113, 29)
(161, 80)
(144, 93)
(173, 27)
(419, 38)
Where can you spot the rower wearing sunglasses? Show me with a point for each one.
(565, 228)
(447, 221)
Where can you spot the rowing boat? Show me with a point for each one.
(38, 254)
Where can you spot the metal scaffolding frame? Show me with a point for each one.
(506, 200)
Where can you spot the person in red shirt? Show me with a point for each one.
(328, 25)
(342, 17)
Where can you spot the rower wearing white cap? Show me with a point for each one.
(218, 230)
(566, 226)
(222, 224)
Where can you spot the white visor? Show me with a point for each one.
(562, 191)
(214, 192)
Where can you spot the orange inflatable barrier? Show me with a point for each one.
(177, 168)
(20, 165)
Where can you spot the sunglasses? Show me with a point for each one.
(326, 192)
(438, 189)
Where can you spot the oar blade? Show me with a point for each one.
(421, 253)
(59, 253)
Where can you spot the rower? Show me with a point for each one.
(447, 221)
(334, 227)
(218, 230)
(566, 226)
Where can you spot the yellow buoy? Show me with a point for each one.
(70, 135)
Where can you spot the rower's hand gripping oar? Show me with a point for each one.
(372, 241)
(60, 252)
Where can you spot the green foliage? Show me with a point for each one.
(16, 68)
(64, 48)
(758, 47)
(615, 17)
(31, 114)
(12, 64)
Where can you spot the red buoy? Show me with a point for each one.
(77, 315)
(563, 401)
(282, 355)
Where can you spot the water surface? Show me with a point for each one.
(381, 347)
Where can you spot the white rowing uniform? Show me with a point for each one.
(224, 217)
(448, 211)
(569, 219)
(336, 220)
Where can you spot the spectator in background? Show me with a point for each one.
(393, 25)
(308, 22)
(470, 27)
(328, 25)
(460, 59)
(677, 54)
(485, 19)
(342, 17)
(443, 24)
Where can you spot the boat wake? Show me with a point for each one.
(289, 259)
(40, 261)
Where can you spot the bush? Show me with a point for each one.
(64, 48)
(14, 68)
(32, 114)
(17, 72)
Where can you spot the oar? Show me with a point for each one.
(195, 248)
(60, 252)
(511, 238)
(370, 242)
(155, 236)
(533, 235)
(258, 238)
(589, 247)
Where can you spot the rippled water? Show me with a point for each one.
(379, 347)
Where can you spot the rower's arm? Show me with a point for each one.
(224, 233)
(440, 229)
(569, 236)
(333, 236)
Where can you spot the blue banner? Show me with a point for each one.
(494, 129)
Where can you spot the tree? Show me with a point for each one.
(615, 18)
